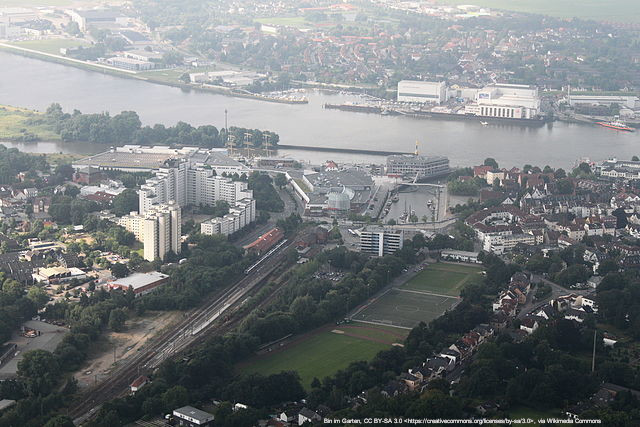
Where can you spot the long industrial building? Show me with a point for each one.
(510, 101)
(422, 92)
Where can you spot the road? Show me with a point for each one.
(556, 291)
(173, 340)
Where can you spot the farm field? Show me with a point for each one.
(405, 308)
(599, 10)
(443, 278)
(325, 351)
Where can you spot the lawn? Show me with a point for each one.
(405, 309)
(443, 279)
(317, 355)
(52, 46)
(600, 10)
(15, 123)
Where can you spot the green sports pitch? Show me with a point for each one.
(443, 278)
(405, 308)
(323, 352)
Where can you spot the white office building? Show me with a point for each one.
(380, 242)
(509, 101)
(422, 92)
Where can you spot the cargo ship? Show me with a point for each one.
(617, 125)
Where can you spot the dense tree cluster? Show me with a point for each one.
(126, 127)
(266, 196)
(13, 161)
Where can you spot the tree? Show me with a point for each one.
(280, 180)
(60, 421)
(38, 296)
(119, 270)
(125, 202)
(40, 370)
(117, 317)
(490, 161)
(565, 186)
(635, 159)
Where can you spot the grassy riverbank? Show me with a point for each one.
(23, 125)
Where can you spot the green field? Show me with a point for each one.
(15, 123)
(442, 278)
(405, 308)
(320, 354)
(52, 46)
(600, 10)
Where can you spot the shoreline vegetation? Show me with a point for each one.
(23, 125)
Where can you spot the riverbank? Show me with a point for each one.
(118, 72)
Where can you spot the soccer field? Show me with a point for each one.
(323, 354)
(442, 278)
(405, 308)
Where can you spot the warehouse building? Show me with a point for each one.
(422, 92)
(511, 101)
(191, 417)
(141, 283)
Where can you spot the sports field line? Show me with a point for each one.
(381, 324)
(424, 293)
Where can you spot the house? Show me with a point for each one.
(307, 415)
(138, 383)
(410, 380)
(529, 324)
(394, 388)
(609, 340)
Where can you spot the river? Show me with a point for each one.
(34, 83)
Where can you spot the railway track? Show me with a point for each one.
(173, 340)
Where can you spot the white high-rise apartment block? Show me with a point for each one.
(239, 216)
(188, 184)
(162, 231)
(159, 229)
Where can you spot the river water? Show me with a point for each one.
(36, 84)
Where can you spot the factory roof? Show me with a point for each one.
(139, 280)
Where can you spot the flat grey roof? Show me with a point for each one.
(138, 280)
(194, 413)
(120, 159)
(349, 177)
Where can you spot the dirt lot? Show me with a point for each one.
(138, 331)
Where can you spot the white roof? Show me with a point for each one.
(139, 280)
